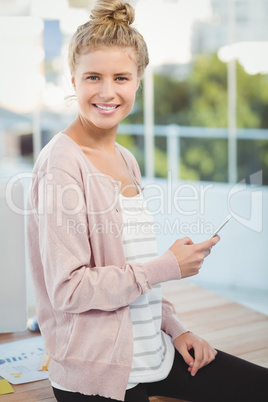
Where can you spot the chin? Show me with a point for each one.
(106, 125)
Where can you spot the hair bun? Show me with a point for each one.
(108, 10)
(125, 14)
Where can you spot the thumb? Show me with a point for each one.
(209, 243)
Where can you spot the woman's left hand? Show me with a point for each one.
(203, 352)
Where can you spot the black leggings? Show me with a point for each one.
(226, 379)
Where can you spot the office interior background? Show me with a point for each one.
(199, 127)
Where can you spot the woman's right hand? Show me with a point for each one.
(191, 256)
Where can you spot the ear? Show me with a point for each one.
(138, 84)
(73, 82)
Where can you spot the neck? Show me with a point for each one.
(87, 135)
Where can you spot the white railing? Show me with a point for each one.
(173, 133)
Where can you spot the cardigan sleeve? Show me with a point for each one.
(73, 283)
(171, 325)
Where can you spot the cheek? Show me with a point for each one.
(130, 94)
(83, 93)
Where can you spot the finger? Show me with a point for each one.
(198, 359)
(206, 252)
(208, 355)
(212, 355)
(187, 241)
(186, 356)
(208, 243)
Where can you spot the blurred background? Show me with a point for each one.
(198, 127)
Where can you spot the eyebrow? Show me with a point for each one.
(125, 73)
(91, 73)
(116, 75)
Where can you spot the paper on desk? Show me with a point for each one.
(19, 360)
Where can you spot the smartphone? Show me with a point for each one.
(221, 226)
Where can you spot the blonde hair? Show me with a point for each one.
(109, 25)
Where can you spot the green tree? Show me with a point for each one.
(201, 100)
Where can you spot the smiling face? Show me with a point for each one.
(106, 80)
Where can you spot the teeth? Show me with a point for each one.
(106, 107)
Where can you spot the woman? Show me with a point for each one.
(92, 248)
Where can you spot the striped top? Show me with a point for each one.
(153, 351)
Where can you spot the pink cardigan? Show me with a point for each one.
(83, 285)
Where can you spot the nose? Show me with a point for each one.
(107, 90)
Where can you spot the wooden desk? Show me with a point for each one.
(226, 325)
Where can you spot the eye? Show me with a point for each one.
(92, 78)
(121, 79)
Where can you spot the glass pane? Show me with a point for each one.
(160, 157)
(204, 159)
(252, 157)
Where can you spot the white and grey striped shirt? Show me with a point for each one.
(153, 350)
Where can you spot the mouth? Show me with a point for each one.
(107, 107)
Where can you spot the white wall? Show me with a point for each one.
(240, 258)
